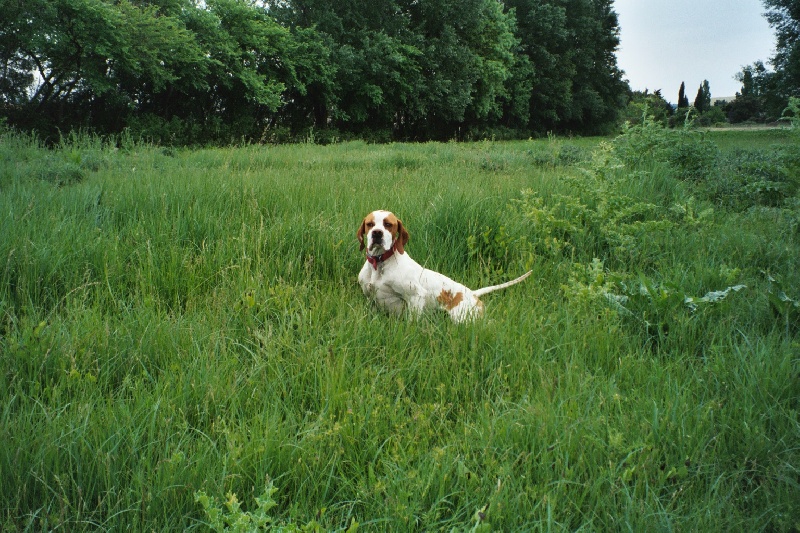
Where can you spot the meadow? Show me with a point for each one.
(185, 346)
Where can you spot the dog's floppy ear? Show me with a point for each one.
(360, 233)
(402, 237)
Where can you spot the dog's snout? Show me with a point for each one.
(377, 235)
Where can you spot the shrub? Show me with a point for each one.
(691, 155)
(792, 112)
(600, 217)
(230, 517)
(714, 115)
(655, 310)
(747, 178)
(640, 142)
(688, 153)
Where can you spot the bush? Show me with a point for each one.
(688, 153)
(747, 178)
(713, 116)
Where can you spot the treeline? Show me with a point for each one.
(210, 71)
(766, 96)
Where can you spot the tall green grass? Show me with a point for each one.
(178, 323)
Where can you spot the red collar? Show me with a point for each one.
(375, 260)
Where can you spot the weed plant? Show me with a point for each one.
(184, 344)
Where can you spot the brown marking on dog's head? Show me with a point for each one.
(399, 234)
(366, 225)
(450, 300)
(390, 223)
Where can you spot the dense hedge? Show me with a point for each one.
(187, 72)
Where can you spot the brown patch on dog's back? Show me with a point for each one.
(450, 300)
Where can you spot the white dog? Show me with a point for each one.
(398, 283)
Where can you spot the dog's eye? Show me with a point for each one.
(370, 224)
(387, 224)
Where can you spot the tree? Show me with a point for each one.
(698, 100)
(758, 100)
(569, 48)
(599, 92)
(413, 68)
(647, 104)
(702, 102)
(765, 93)
(784, 17)
(249, 70)
(748, 86)
(93, 61)
(683, 100)
(198, 71)
(169, 68)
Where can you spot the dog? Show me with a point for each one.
(398, 284)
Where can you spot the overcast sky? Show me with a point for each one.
(665, 42)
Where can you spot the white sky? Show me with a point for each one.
(665, 42)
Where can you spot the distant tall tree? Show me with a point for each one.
(757, 92)
(748, 85)
(683, 100)
(698, 100)
(663, 102)
(702, 102)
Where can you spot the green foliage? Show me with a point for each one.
(713, 116)
(787, 307)
(558, 153)
(640, 143)
(597, 217)
(657, 311)
(232, 518)
(784, 17)
(761, 99)
(99, 57)
(193, 73)
(644, 105)
(746, 178)
(792, 112)
(689, 153)
(683, 100)
(570, 46)
(737, 179)
(181, 325)
(702, 101)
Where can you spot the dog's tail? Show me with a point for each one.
(486, 290)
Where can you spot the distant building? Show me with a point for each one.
(722, 100)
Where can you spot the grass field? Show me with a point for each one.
(178, 326)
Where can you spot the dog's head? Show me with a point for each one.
(379, 231)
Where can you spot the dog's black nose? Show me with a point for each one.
(377, 235)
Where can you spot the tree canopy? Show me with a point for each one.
(784, 17)
(190, 71)
(765, 93)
